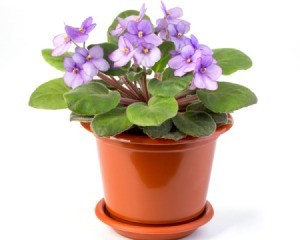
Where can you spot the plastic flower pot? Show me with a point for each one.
(155, 189)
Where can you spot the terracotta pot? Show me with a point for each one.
(155, 182)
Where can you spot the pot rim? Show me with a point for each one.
(145, 140)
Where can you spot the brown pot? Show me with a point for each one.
(155, 183)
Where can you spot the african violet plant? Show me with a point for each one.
(151, 80)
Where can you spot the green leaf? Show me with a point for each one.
(111, 123)
(174, 135)
(159, 131)
(231, 60)
(49, 95)
(167, 74)
(57, 62)
(196, 106)
(91, 99)
(112, 39)
(80, 118)
(196, 124)
(165, 48)
(158, 110)
(108, 48)
(134, 76)
(219, 118)
(169, 87)
(227, 98)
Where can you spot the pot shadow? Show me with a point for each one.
(224, 221)
(157, 169)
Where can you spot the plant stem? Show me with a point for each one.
(113, 82)
(185, 93)
(128, 101)
(133, 88)
(185, 101)
(144, 84)
(158, 76)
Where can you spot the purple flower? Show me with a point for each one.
(123, 54)
(61, 43)
(172, 14)
(91, 60)
(176, 33)
(142, 31)
(186, 61)
(205, 50)
(206, 74)
(147, 55)
(121, 27)
(80, 35)
(75, 75)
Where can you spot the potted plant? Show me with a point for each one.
(151, 97)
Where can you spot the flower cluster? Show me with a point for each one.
(85, 63)
(190, 55)
(137, 42)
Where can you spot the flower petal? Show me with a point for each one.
(90, 28)
(60, 39)
(214, 72)
(172, 30)
(75, 34)
(59, 50)
(82, 51)
(78, 58)
(124, 60)
(69, 64)
(187, 51)
(209, 83)
(132, 27)
(86, 78)
(133, 39)
(145, 27)
(153, 39)
(175, 12)
(196, 55)
(77, 81)
(176, 62)
(116, 55)
(198, 81)
(87, 22)
(96, 52)
(69, 78)
(101, 64)
(90, 69)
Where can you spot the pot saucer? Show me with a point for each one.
(153, 232)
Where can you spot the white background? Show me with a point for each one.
(49, 173)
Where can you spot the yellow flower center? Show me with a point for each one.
(75, 70)
(125, 50)
(89, 57)
(67, 39)
(140, 34)
(188, 60)
(146, 50)
(82, 30)
(179, 35)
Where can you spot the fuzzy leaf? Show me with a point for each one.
(159, 131)
(231, 60)
(91, 99)
(57, 62)
(80, 118)
(196, 124)
(227, 98)
(174, 135)
(49, 95)
(169, 87)
(111, 123)
(158, 110)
